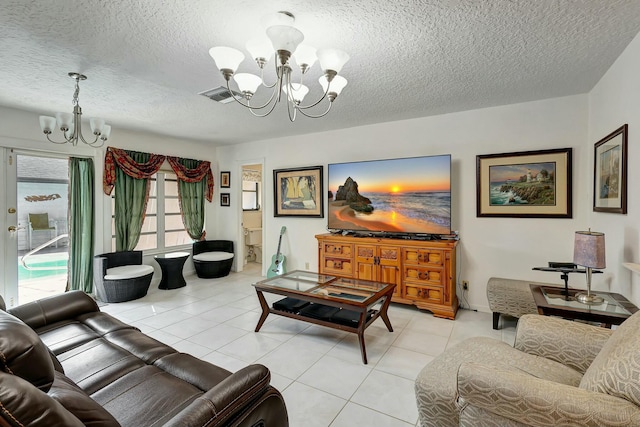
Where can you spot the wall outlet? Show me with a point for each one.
(306, 266)
(465, 285)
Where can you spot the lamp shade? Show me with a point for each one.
(64, 120)
(106, 132)
(96, 125)
(298, 91)
(306, 55)
(247, 82)
(260, 48)
(47, 123)
(284, 37)
(588, 249)
(332, 59)
(226, 58)
(337, 84)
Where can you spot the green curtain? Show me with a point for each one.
(81, 224)
(130, 205)
(191, 196)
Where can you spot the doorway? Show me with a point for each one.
(252, 216)
(37, 250)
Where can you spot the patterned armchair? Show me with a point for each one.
(559, 373)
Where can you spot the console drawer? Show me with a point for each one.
(337, 249)
(423, 275)
(423, 257)
(337, 266)
(432, 294)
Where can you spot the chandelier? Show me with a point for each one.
(71, 124)
(282, 43)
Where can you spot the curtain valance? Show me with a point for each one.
(119, 157)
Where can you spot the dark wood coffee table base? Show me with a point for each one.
(363, 322)
(583, 311)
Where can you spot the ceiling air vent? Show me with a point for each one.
(220, 94)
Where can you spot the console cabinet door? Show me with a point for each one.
(389, 258)
(366, 262)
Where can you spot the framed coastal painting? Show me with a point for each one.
(298, 192)
(526, 184)
(610, 172)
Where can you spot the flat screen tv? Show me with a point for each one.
(407, 196)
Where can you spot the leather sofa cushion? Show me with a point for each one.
(63, 336)
(22, 353)
(25, 405)
(213, 256)
(128, 272)
(616, 369)
(76, 401)
(54, 309)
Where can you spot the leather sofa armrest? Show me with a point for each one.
(573, 344)
(53, 309)
(536, 402)
(244, 399)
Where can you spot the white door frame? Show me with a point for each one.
(9, 248)
(240, 249)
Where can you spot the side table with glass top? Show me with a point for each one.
(171, 265)
(552, 301)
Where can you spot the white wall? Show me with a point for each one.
(506, 247)
(613, 102)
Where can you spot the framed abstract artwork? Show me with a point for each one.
(298, 192)
(610, 172)
(526, 184)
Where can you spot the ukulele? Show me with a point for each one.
(277, 261)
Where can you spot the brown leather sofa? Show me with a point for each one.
(65, 363)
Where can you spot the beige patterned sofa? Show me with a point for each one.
(559, 373)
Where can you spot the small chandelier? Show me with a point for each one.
(71, 124)
(283, 42)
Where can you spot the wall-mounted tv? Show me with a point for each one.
(407, 196)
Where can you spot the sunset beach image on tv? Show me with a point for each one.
(404, 196)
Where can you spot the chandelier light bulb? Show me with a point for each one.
(285, 37)
(298, 91)
(337, 84)
(227, 59)
(47, 124)
(247, 83)
(306, 57)
(332, 59)
(260, 49)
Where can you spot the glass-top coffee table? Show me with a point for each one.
(347, 304)
(552, 301)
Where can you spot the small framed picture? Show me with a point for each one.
(610, 173)
(225, 179)
(298, 192)
(225, 199)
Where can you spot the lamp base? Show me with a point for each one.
(589, 298)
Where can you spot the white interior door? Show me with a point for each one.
(9, 230)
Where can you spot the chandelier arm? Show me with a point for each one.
(262, 77)
(253, 111)
(305, 107)
(57, 142)
(318, 116)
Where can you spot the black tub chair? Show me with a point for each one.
(213, 258)
(121, 276)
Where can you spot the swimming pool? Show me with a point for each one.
(47, 265)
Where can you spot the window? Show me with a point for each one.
(250, 196)
(162, 227)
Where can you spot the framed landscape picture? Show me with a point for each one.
(298, 192)
(610, 173)
(526, 184)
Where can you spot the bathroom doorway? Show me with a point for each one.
(252, 216)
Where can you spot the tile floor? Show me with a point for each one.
(318, 370)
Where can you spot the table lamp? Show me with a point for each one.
(588, 251)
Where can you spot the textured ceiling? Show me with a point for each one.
(147, 59)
